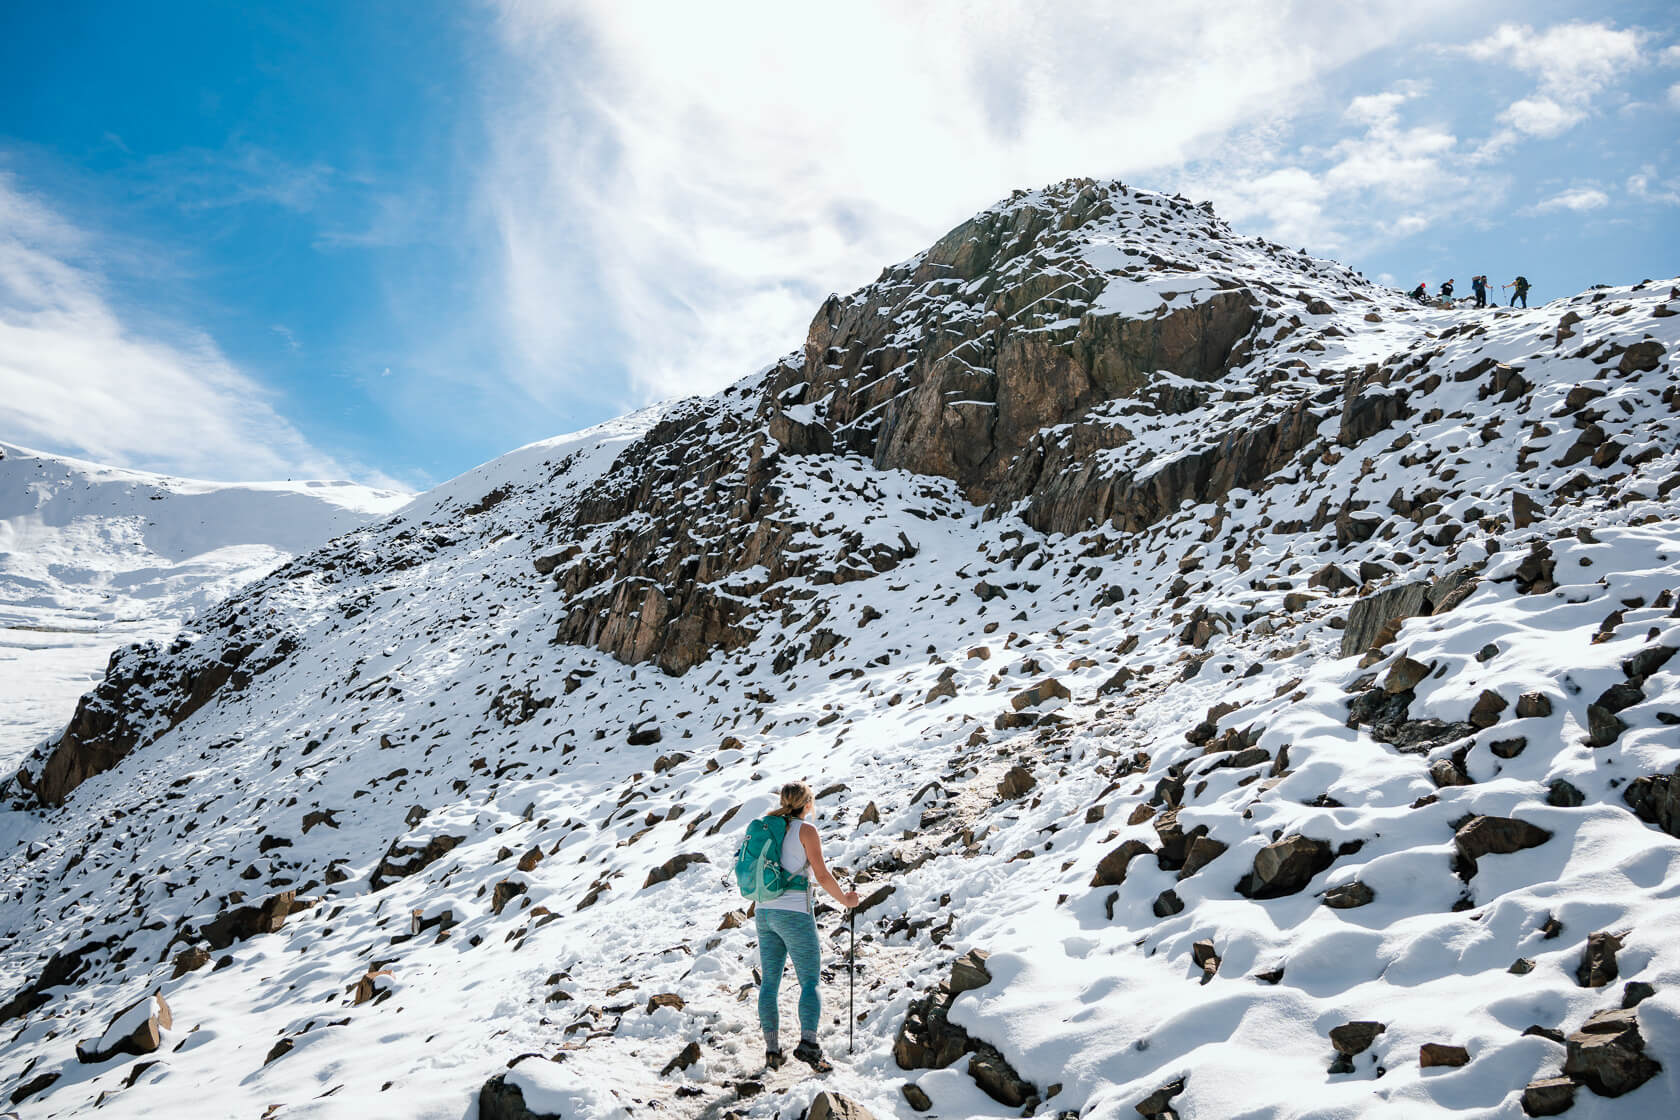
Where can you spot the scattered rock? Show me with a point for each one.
(1042, 692)
(1111, 869)
(1509, 748)
(1534, 705)
(1485, 713)
(1405, 675)
(190, 960)
(1356, 1037)
(401, 860)
(498, 1099)
(1636, 992)
(686, 1057)
(1550, 1096)
(915, 1097)
(673, 867)
(1286, 866)
(135, 1030)
(1655, 799)
(1598, 960)
(1349, 896)
(968, 972)
(1432, 1054)
(833, 1106)
(1159, 1103)
(1016, 783)
(1481, 836)
(1562, 794)
(1607, 1054)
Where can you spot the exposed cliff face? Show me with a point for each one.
(1357, 617)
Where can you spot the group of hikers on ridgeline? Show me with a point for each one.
(1478, 285)
(771, 869)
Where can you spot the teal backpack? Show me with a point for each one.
(758, 865)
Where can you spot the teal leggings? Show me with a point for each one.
(783, 934)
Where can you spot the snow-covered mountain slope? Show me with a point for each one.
(95, 557)
(1272, 678)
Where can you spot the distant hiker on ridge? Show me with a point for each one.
(770, 870)
(1478, 284)
(1421, 292)
(1521, 286)
(1446, 290)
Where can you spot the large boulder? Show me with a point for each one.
(135, 1030)
(1286, 866)
(1655, 799)
(1484, 835)
(1607, 1054)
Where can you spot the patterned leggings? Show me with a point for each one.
(781, 934)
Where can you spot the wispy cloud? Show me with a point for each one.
(687, 208)
(1578, 199)
(1572, 63)
(74, 377)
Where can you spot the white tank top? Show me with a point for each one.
(796, 862)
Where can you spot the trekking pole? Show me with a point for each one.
(851, 998)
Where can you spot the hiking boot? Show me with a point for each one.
(811, 1054)
(774, 1059)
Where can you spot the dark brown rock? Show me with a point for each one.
(1356, 1037)
(1016, 783)
(1159, 1102)
(1432, 1054)
(968, 972)
(1111, 869)
(1549, 1096)
(1041, 692)
(832, 1106)
(144, 1038)
(1349, 896)
(1405, 675)
(673, 867)
(1607, 1054)
(1485, 712)
(401, 860)
(1534, 705)
(500, 1100)
(1655, 799)
(686, 1057)
(1286, 866)
(915, 1097)
(1598, 960)
(1481, 836)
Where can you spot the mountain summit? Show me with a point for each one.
(1234, 688)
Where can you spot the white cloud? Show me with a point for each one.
(1541, 116)
(1578, 199)
(75, 378)
(1644, 185)
(1571, 63)
(1674, 96)
(696, 202)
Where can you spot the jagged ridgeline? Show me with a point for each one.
(1236, 690)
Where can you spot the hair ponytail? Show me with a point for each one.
(795, 796)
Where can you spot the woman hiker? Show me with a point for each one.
(787, 927)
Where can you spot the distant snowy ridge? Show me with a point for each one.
(1238, 690)
(94, 557)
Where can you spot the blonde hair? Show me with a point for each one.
(795, 796)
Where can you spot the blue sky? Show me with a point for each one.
(389, 241)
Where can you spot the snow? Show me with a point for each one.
(408, 629)
(93, 557)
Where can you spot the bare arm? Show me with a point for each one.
(819, 869)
